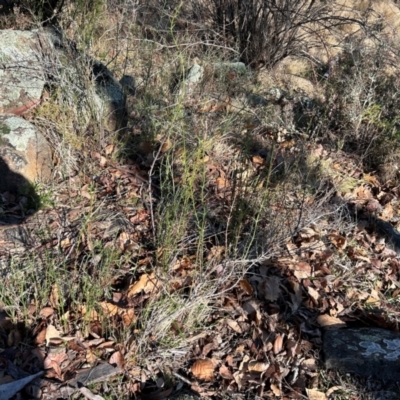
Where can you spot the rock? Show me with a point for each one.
(22, 77)
(25, 155)
(197, 72)
(238, 67)
(108, 97)
(194, 76)
(366, 352)
(31, 59)
(104, 100)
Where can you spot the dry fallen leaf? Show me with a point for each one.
(334, 389)
(54, 361)
(302, 270)
(278, 344)
(315, 395)
(328, 322)
(46, 312)
(203, 369)
(270, 288)
(109, 308)
(296, 297)
(234, 325)
(52, 333)
(276, 390)
(216, 253)
(110, 149)
(310, 364)
(371, 179)
(54, 296)
(338, 241)
(258, 160)
(166, 146)
(41, 337)
(91, 358)
(127, 314)
(245, 285)
(313, 293)
(256, 366)
(117, 358)
(222, 183)
(225, 372)
(147, 283)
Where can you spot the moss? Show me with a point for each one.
(4, 129)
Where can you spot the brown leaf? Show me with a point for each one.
(91, 358)
(103, 161)
(371, 179)
(292, 348)
(128, 316)
(328, 322)
(245, 285)
(363, 192)
(387, 212)
(46, 312)
(110, 149)
(54, 361)
(313, 293)
(41, 336)
(278, 344)
(109, 308)
(302, 270)
(275, 389)
(52, 333)
(315, 395)
(338, 241)
(220, 106)
(85, 192)
(222, 183)
(270, 288)
(118, 359)
(216, 253)
(183, 263)
(147, 283)
(258, 160)
(225, 372)
(203, 369)
(54, 296)
(234, 325)
(140, 216)
(166, 146)
(308, 233)
(257, 366)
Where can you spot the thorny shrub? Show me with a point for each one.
(262, 32)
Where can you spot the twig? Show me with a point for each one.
(153, 225)
(182, 378)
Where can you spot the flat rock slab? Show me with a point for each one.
(365, 351)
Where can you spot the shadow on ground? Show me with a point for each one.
(18, 198)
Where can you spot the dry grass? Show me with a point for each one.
(229, 184)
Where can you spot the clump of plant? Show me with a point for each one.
(361, 112)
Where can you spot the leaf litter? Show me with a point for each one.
(266, 327)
